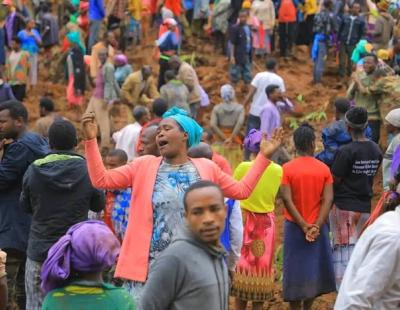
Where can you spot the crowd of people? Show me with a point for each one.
(173, 211)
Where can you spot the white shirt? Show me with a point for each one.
(236, 235)
(127, 138)
(260, 82)
(372, 277)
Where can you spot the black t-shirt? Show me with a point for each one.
(356, 164)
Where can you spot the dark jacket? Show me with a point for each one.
(58, 193)
(17, 156)
(187, 272)
(6, 93)
(239, 41)
(357, 30)
(333, 137)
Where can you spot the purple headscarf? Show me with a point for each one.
(88, 246)
(120, 59)
(253, 140)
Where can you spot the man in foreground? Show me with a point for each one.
(192, 273)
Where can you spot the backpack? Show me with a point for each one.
(287, 12)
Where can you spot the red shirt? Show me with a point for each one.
(307, 178)
(222, 163)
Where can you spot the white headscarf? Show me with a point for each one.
(393, 118)
(227, 93)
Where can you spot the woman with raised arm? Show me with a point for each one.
(159, 184)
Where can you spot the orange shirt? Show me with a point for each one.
(307, 178)
(174, 6)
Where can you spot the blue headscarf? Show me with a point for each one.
(188, 124)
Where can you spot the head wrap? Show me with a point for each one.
(170, 22)
(75, 37)
(88, 246)
(362, 47)
(246, 5)
(354, 125)
(227, 93)
(393, 118)
(120, 59)
(188, 124)
(383, 54)
(252, 141)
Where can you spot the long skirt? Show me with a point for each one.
(233, 153)
(262, 41)
(307, 266)
(346, 227)
(254, 276)
(72, 98)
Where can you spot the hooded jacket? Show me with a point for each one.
(187, 272)
(58, 193)
(17, 156)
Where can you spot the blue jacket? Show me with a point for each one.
(96, 10)
(333, 137)
(17, 156)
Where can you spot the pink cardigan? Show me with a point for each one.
(140, 174)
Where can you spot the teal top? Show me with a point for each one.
(84, 295)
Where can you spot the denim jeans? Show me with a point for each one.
(241, 71)
(253, 122)
(94, 31)
(319, 65)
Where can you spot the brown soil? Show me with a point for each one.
(212, 70)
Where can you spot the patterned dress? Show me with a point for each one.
(171, 183)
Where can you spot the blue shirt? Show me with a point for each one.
(96, 10)
(188, 4)
(28, 42)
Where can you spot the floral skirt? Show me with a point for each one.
(254, 278)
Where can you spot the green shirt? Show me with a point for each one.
(365, 100)
(85, 295)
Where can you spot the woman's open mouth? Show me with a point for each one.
(162, 144)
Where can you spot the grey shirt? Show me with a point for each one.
(187, 275)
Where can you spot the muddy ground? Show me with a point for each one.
(212, 70)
